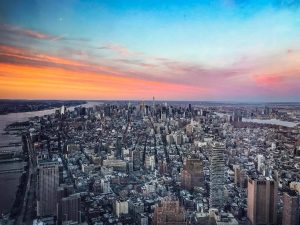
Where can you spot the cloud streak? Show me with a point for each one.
(177, 79)
(6, 29)
(118, 49)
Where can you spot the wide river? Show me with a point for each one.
(271, 121)
(9, 181)
(264, 121)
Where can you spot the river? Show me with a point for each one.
(263, 121)
(271, 121)
(9, 181)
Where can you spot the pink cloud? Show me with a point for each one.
(119, 49)
(19, 31)
(25, 32)
(269, 80)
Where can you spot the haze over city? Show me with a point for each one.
(192, 50)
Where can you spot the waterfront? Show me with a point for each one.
(263, 121)
(8, 184)
(8, 119)
(9, 181)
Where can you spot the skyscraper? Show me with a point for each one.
(62, 110)
(150, 162)
(70, 208)
(119, 151)
(240, 177)
(260, 162)
(291, 208)
(121, 207)
(217, 176)
(261, 201)
(49, 178)
(136, 158)
(63, 191)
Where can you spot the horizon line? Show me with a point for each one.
(158, 100)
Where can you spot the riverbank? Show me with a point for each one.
(9, 181)
(17, 106)
(22, 187)
(271, 122)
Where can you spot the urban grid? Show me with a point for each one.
(160, 163)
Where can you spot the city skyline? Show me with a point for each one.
(221, 51)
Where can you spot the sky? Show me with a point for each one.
(216, 50)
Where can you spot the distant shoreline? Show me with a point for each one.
(23, 106)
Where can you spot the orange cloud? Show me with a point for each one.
(31, 70)
(23, 81)
(26, 73)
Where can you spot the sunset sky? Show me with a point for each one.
(228, 50)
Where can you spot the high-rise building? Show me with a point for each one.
(121, 207)
(170, 139)
(162, 166)
(62, 110)
(260, 162)
(217, 176)
(261, 201)
(70, 208)
(169, 212)
(63, 191)
(266, 111)
(178, 138)
(291, 208)
(150, 162)
(240, 177)
(68, 205)
(136, 158)
(49, 178)
(163, 116)
(237, 116)
(105, 186)
(192, 174)
(119, 151)
(153, 106)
